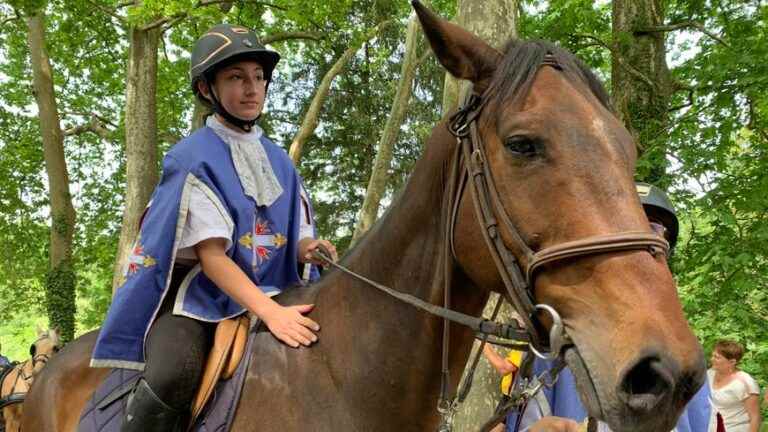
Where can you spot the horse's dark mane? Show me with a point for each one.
(522, 59)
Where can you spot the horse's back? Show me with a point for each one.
(288, 389)
(63, 387)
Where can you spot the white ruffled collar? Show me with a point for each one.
(251, 161)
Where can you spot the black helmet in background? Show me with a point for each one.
(220, 46)
(658, 207)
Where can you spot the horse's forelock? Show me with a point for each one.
(522, 59)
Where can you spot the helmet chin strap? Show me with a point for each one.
(244, 125)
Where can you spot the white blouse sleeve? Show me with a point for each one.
(751, 387)
(204, 221)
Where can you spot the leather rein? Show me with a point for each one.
(518, 272)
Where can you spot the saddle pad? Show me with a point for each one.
(105, 411)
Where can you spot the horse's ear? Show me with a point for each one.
(463, 54)
(40, 331)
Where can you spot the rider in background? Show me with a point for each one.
(4, 362)
(562, 400)
(228, 227)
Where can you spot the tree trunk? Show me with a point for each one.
(641, 81)
(309, 124)
(198, 116)
(495, 21)
(60, 280)
(140, 137)
(380, 174)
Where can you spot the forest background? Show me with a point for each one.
(94, 92)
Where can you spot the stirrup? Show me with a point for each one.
(146, 412)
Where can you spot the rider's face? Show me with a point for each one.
(659, 229)
(241, 89)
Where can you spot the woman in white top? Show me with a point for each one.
(735, 394)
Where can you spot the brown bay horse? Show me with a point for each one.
(563, 166)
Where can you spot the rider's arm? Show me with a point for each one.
(287, 323)
(555, 424)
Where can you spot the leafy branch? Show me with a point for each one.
(109, 11)
(690, 102)
(11, 19)
(203, 3)
(280, 37)
(619, 58)
(96, 124)
(678, 26)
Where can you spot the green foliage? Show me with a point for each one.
(60, 299)
(720, 147)
(17, 334)
(581, 26)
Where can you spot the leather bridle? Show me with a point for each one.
(518, 273)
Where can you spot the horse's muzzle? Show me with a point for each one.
(653, 382)
(647, 383)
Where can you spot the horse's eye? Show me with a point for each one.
(521, 145)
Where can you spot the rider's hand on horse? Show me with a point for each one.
(555, 424)
(307, 245)
(289, 324)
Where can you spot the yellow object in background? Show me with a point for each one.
(584, 426)
(516, 358)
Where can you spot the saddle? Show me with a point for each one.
(227, 351)
(218, 394)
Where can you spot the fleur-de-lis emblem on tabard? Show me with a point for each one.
(137, 260)
(262, 241)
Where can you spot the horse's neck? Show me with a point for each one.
(403, 251)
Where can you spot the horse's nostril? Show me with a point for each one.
(646, 384)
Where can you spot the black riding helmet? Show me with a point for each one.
(219, 47)
(657, 206)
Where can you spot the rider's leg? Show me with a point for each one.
(182, 345)
(176, 351)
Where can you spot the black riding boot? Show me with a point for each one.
(147, 413)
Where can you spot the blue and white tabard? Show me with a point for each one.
(263, 243)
